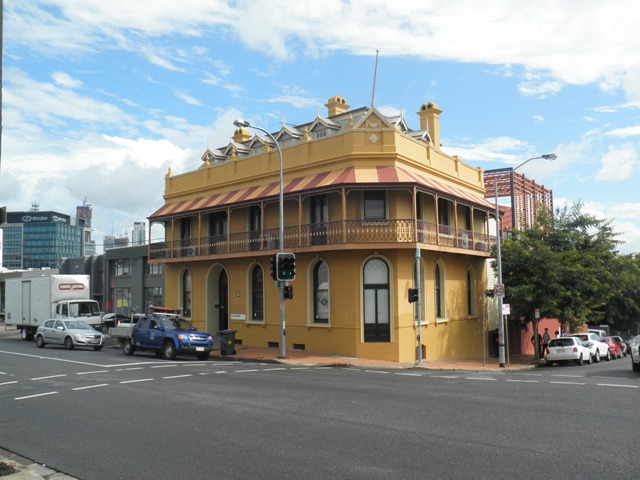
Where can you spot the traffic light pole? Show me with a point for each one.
(283, 330)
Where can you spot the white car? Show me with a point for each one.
(567, 349)
(634, 350)
(68, 332)
(596, 346)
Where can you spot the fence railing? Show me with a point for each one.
(329, 233)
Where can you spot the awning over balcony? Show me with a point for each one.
(361, 176)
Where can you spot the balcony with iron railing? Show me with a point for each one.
(339, 234)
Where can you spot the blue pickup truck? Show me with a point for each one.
(167, 335)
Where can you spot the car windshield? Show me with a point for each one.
(561, 342)
(582, 336)
(177, 324)
(77, 325)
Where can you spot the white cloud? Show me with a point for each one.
(65, 80)
(625, 132)
(618, 164)
(538, 119)
(188, 98)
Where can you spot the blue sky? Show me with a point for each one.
(101, 98)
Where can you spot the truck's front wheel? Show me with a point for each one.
(128, 348)
(169, 350)
(26, 334)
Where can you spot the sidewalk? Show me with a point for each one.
(304, 358)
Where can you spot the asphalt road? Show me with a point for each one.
(102, 415)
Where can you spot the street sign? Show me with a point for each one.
(498, 290)
(537, 313)
(506, 309)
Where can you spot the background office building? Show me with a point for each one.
(36, 239)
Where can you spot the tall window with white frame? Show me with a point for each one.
(257, 294)
(377, 326)
(321, 293)
(186, 293)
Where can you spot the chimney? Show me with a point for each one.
(430, 120)
(336, 106)
(240, 135)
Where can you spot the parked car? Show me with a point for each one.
(634, 351)
(68, 332)
(567, 349)
(614, 348)
(596, 346)
(622, 343)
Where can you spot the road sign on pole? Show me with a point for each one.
(498, 290)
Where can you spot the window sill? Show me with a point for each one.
(441, 320)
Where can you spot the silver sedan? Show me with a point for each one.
(70, 333)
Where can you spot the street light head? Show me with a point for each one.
(550, 156)
(241, 123)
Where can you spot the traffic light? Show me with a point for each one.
(286, 267)
(274, 266)
(288, 291)
(413, 295)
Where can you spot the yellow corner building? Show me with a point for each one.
(371, 208)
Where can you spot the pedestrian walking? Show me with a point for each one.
(546, 338)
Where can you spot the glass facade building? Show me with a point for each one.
(41, 240)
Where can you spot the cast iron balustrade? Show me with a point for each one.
(326, 234)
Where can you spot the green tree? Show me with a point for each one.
(561, 265)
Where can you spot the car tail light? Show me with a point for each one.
(575, 349)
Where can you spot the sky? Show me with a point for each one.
(101, 98)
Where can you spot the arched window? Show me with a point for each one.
(321, 293)
(377, 326)
(186, 293)
(257, 294)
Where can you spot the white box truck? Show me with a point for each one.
(31, 300)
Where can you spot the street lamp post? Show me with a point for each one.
(501, 332)
(281, 285)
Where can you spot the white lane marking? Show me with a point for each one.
(530, 374)
(91, 386)
(450, 377)
(273, 369)
(245, 371)
(614, 385)
(132, 369)
(522, 381)
(164, 366)
(35, 396)
(300, 368)
(611, 378)
(47, 378)
(568, 376)
(204, 373)
(136, 381)
(568, 383)
(222, 371)
(375, 371)
(52, 359)
(178, 376)
(486, 379)
(95, 371)
(411, 374)
(8, 383)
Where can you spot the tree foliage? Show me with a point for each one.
(567, 265)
